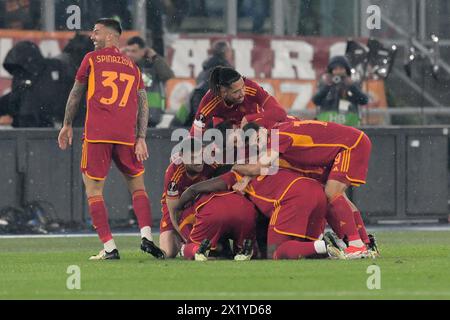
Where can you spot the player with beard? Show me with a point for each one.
(181, 173)
(236, 99)
(115, 129)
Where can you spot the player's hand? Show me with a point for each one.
(241, 185)
(65, 137)
(141, 149)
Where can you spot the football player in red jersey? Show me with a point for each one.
(236, 99)
(180, 174)
(296, 206)
(344, 152)
(115, 129)
(218, 217)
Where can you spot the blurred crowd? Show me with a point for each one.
(32, 101)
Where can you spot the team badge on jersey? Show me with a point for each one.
(200, 121)
(172, 189)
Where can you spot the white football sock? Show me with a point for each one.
(109, 245)
(146, 232)
(356, 243)
(320, 247)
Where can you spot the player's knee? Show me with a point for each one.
(333, 189)
(330, 193)
(170, 253)
(93, 191)
(170, 244)
(136, 184)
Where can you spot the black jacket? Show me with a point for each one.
(328, 96)
(155, 73)
(37, 86)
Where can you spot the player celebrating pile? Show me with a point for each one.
(344, 152)
(115, 128)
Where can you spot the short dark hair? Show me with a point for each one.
(222, 76)
(136, 40)
(110, 23)
(219, 47)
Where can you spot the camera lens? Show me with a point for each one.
(337, 79)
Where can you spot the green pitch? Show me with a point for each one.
(414, 265)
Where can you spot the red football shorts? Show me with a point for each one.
(351, 165)
(96, 160)
(299, 215)
(224, 214)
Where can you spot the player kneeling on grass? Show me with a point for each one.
(343, 151)
(182, 172)
(116, 127)
(220, 215)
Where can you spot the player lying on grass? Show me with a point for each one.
(236, 99)
(296, 206)
(115, 129)
(344, 153)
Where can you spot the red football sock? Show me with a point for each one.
(361, 227)
(142, 210)
(189, 251)
(341, 218)
(333, 221)
(294, 250)
(99, 215)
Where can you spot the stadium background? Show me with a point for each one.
(407, 116)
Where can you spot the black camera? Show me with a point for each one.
(337, 79)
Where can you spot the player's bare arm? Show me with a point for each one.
(173, 205)
(72, 106)
(142, 123)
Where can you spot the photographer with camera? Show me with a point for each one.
(338, 97)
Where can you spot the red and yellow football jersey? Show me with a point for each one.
(310, 143)
(257, 104)
(112, 101)
(176, 180)
(266, 192)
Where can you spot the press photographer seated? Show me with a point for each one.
(338, 97)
